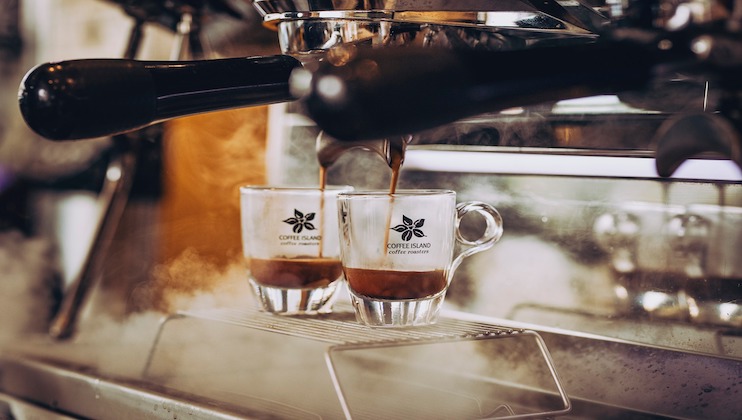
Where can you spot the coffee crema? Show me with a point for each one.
(391, 284)
(295, 273)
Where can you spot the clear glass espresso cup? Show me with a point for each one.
(399, 251)
(290, 245)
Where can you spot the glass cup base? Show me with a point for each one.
(285, 301)
(397, 313)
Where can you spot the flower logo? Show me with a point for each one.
(409, 228)
(300, 221)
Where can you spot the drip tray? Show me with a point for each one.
(329, 366)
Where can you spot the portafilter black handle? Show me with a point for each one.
(88, 98)
(391, 91)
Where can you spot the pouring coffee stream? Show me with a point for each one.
(329, 150)
(392, 150)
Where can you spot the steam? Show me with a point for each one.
(192, 281)
(26, 285)
(105, 342)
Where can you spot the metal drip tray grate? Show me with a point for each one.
(454, 369)
(340, 327)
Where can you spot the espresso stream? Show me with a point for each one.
(322, 186)
(396, 157)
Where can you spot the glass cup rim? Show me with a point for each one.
(289, 188)
(407, 192)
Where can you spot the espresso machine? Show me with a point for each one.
(608, 135)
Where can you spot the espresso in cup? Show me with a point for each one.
(290, 245)
(390, 284)
(399, 251)
(296, 273)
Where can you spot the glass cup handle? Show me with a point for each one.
(492, 233)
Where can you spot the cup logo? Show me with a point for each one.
(301, 221)
(409, 228)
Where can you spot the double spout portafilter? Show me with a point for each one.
(361, 93)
